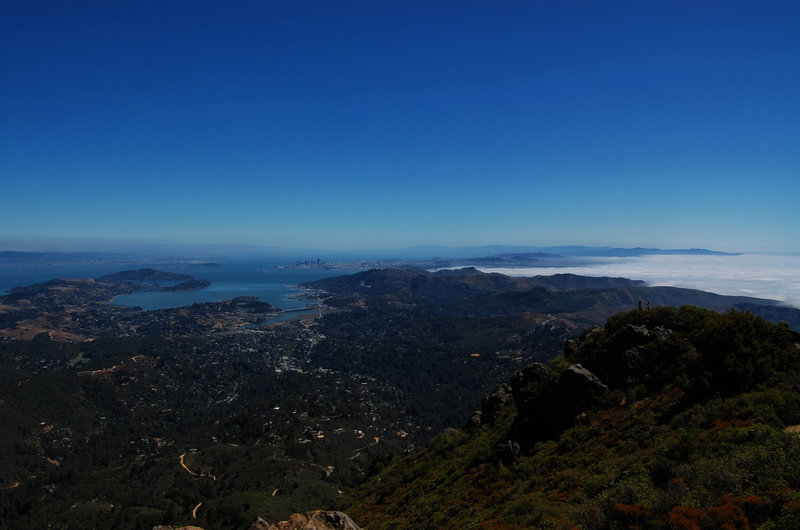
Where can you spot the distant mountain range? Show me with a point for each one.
(637, 251)
(486, 254)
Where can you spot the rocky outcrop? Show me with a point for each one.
(640, 348)
(547, 405)
(629, 336)
(528, 384)
(316, 520)
(493, 404)
(474, 421)
(577, 389)
(631, 355)
(167, 527)
(507, 451)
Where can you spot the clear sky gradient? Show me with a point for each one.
(379, 124)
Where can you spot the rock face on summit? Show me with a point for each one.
(546, 404)
(316, 520)
(630, 354)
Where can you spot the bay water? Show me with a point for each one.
(273, 282)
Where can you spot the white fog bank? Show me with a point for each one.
(772, 276)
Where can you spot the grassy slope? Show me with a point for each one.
(702, 443)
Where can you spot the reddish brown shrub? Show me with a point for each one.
(686, 517)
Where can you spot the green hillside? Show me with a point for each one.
(688, 419)
(206, 414)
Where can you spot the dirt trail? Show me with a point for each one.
(183, 465)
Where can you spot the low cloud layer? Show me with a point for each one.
(776, 277)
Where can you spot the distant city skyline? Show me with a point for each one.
(358, 125)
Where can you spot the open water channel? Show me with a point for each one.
(269, 282)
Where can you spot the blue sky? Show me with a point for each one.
(348, 125)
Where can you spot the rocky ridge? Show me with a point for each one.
(681, 418)
(316, 520)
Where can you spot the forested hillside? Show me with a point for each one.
(669, 418)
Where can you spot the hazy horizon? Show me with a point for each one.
(176, 249)
(69, 244)
(770, 276)
(366, 125)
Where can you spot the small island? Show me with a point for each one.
(153, 278)
(145, 275)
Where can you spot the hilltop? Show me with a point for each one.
(679, 418)
(146, 275)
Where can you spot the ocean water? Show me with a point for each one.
(266, 281)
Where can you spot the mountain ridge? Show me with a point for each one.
(135, 253)
(684, 418)
(582, 300)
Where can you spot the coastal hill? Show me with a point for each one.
(79, 309)
(144, 275)
(574, 301)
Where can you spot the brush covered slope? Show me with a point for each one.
(576, 302)
(671, 418)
